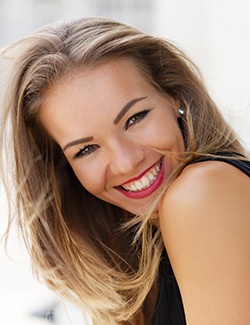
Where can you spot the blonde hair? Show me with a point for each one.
(75, 239)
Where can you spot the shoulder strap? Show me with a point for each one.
(243, 165)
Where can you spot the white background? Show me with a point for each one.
(216, 35)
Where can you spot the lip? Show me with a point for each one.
(148, 191)
(141, 175)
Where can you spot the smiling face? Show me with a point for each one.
(107, 121)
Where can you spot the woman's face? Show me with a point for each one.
(107, 121)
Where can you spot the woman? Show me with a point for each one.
(131, 189)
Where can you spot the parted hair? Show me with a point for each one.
(77, 243)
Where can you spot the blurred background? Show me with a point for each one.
(215, 34)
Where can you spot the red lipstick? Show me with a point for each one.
(140, 194)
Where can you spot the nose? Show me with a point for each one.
(124, 157)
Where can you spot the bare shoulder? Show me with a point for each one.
(205, 224)
(202, 183)
(206, 193)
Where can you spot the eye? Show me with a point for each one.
(86, 151)
(137, 118)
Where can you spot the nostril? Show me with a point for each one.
(125, 156)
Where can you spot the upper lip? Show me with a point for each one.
(140, 175)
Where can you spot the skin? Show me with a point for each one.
(204, 214)
(205, 223)
(102, 111)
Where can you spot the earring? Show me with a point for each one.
(181, 111)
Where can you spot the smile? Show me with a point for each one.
(145, 185)
(145, 181)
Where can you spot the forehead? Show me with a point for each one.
(106, 73)
(85, 93)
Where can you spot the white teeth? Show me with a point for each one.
(138, 185)
(145, 181)
(155, 172)
(151, 177)
(133, 188)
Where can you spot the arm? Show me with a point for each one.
(205, 224)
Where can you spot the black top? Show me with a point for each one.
(169, 308)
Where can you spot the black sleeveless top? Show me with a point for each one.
(169, 308)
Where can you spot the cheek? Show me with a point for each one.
(91, 179)
(166, 136)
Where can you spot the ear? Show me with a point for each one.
(177, 108)
(175, 104)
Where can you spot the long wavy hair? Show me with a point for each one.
(76, 241)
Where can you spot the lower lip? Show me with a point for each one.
(148, 191)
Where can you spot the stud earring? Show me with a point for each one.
(181, 111)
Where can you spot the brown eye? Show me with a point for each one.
(87, 150)
(137, 118)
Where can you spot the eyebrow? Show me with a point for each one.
(116, 121)
(73, 143)
(126, 108)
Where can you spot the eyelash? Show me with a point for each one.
(83, 152)
(137, 118)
